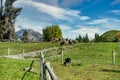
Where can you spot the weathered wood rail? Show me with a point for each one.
(46, 72)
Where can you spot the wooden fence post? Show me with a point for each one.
(46, 72)
(41, 65)
(8, 51)
(50, 70)
(62, 56)
(23, 53)
(48, 77)
(113, 57)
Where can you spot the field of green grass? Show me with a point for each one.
(18, 47)
(89, 62)
(92, 61)
(12, 69)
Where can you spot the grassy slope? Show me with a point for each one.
(17, 47)
(89, 62)
(110, 35)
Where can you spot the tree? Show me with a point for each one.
(8, 15)
(25, 36)
(79, 38)
(85, 38)
(51, 32)
(97, 37)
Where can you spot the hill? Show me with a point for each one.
(109, 36)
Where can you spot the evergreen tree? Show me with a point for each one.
(25, 38)
(51, 32)
(8, 16)
(97, 37)
(79, 38)
(85, 38)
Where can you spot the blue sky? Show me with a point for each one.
(74, 17)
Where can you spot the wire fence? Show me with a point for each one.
(10, 51)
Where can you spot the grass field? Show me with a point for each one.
(89, 62)
(18, 47)
(12, 69)
(92, 61)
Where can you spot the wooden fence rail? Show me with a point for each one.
(46, 72)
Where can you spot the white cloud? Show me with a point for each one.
(72, 3)
(115, 2)
(70, 35)
(26, 23)
(84, 18)
(99, 21)
(106, 23)
(64, 27)
(99, 26)
(112, 24)
(117, 12)
(56, 12)
(82, 30)
(53, 2)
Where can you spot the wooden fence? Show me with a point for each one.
(10, 51)
(46, 72)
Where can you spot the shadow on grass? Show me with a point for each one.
(26, 73)
(108, 70)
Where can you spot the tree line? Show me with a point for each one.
(97, 38)
(54, 33)
(86, 39)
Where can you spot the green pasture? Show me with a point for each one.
(91, 61)
(12, 69)
(19, 47)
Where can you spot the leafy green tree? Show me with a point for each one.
(51, 32)
(8, 15)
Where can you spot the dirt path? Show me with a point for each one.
(33, 54)
(29, 54)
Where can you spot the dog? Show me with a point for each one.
(67, 61)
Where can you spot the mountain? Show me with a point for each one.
(20, 33)
(109, 36)
(32, 35)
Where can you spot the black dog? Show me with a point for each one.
(67, 61)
